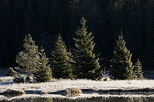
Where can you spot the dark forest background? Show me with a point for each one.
(45, 19)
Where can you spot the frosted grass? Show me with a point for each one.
(80, 83)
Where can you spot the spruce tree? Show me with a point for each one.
(86, 62)
(28, 58)
(43, 71)
(61, 60)
(138, 74)
(121, 64)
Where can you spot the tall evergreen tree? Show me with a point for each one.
(138, 74)
(121, 64)
(28, 58)
(87, 63)
(61, 61)
(43, 71)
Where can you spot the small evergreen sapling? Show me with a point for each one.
(138, 74)
(121, 64)
(43, 71)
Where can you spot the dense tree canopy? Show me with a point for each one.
(45, 19)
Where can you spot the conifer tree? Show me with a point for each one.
(61, 60)
(86, 62)
(28, 58)
(121, 64)
(43, 71)
(138, 74)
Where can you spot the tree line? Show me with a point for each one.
(79, 63)
(44, 20)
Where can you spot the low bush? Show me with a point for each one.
(30, 79)
(20, 79)
(11, 72)
(105, 79)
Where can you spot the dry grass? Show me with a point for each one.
(81, 84)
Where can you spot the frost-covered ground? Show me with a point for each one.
(81, 84)
(82, 96)
(56, 85)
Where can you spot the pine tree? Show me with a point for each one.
(86, 62)
(28, 58)
(138, 74)
(121, 64)
(61, 61)
(43, 71)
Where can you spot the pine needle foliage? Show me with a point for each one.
(27, 59)
(138, 74)
(43, 71)
(61, 60)
(121, 64)
(86, 62)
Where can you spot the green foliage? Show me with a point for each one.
(43, 71)
(86, 63)
(121, 64)
(138, 74)
(28, 58)
(11, 72)
(61, 60)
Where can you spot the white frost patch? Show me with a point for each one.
(82, 84)
(82, 96)
(7, 79)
